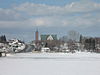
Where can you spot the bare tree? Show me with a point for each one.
(73, 35)
(64, 39)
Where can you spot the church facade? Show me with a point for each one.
(50, 41)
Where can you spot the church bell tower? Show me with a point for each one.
(36, 36)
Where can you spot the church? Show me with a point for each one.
(47, 40)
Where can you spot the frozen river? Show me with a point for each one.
(50, 64)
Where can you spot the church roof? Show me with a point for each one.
(48, 37)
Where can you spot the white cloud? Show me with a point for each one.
(42, 9)
(9, 15)
(53, 21)
(30, 14)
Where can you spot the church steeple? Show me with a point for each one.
(37, 36)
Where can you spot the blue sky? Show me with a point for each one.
(20, 18)
(9, 3)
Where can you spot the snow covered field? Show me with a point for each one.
(50, 64)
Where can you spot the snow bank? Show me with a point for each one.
(57, 56)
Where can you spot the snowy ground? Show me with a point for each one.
(50, 64)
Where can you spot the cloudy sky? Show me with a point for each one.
(21, 18)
